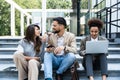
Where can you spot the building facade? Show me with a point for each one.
(108, 11)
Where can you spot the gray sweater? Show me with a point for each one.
(29, 49)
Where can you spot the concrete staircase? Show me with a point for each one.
(8, 70)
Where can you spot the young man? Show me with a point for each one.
(60, 55)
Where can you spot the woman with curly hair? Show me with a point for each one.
(93, 62)
(29, 54)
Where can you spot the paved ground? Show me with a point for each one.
(96, 78)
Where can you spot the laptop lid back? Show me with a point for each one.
(96, 47)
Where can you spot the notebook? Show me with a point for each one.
(96, 47)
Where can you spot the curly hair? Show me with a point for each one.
(95, 23)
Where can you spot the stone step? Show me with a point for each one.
(7, 67)
(81, 78)
(8, 45)
(11, 67)
(112, 58)
(10, 39)
(7, 50)
(110, 48)
(11, 50)
(110, 52)
(14, 44)
(111, 66)
(114, 44)
(114, 52)
(113, 71)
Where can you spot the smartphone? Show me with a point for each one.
(49, 46)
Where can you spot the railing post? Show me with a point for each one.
(78, 18)
(22, 24)
(12, 20)
(110, 23)
(106, 23)
(28, 21)
(43, 16)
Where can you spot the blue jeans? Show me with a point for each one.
(60, 63)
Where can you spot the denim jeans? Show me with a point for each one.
(60, 63)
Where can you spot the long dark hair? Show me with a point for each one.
(29, 36)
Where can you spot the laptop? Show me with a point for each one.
(96, 47)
